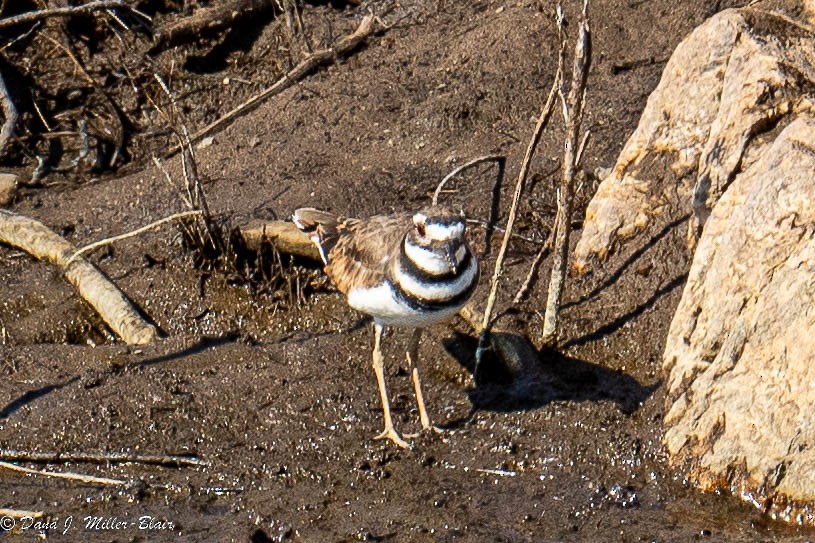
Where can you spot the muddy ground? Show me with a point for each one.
(269, 381)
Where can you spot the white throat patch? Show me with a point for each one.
(444, 232)
(426, 260)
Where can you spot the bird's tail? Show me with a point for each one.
(321, 227)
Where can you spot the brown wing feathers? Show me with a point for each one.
(353, 248)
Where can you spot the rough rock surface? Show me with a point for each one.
(734, 122)
(8, 188)
(726, 86)
(740, 349)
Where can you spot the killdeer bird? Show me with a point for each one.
(407, 270)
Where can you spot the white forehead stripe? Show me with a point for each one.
(444, 232)
(437, 291)
(426, 260)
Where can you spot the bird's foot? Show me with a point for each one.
(393, 435)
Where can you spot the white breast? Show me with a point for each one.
(385, 308)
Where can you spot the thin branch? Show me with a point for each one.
(574, 111)
(91, 479)
(108, 241)
(532, 275)
(486, 225)
(104, 458)
(466, 165)
(310, 63)
(486, 323)
(85, 9)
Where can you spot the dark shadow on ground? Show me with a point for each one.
(515, 376)
(94, 377)
(632, 258)
(620, 321)
(31, 395)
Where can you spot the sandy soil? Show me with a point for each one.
(276, 393)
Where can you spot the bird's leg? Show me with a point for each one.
(379, 369)
(412, 355)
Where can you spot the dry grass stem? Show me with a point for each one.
(104, 458)
(108, 241)
(90, 479)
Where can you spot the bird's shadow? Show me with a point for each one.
(515, 376)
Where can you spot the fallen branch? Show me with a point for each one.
(91, 479)
(19, 513)
(486, 323)
(204, 20)
(105, 458)
(306, 66)
(42, 243)
(573, 111)
(284, 235)
(10, 114)
(85, 9)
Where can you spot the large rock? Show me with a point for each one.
(740, 350)
(728, 138)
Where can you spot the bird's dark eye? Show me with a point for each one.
(421, 230)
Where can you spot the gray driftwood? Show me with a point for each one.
(41, 242)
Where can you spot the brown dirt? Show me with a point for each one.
(278, 396)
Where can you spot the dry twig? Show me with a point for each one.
(324, 56)
(486, 323)
(532, 275)
(41, 242)
(104, 458)
(573, 110)
(91, 479)
(206, 20)
(108, 241)
(474, 162)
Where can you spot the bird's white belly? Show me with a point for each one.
(381, 303)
